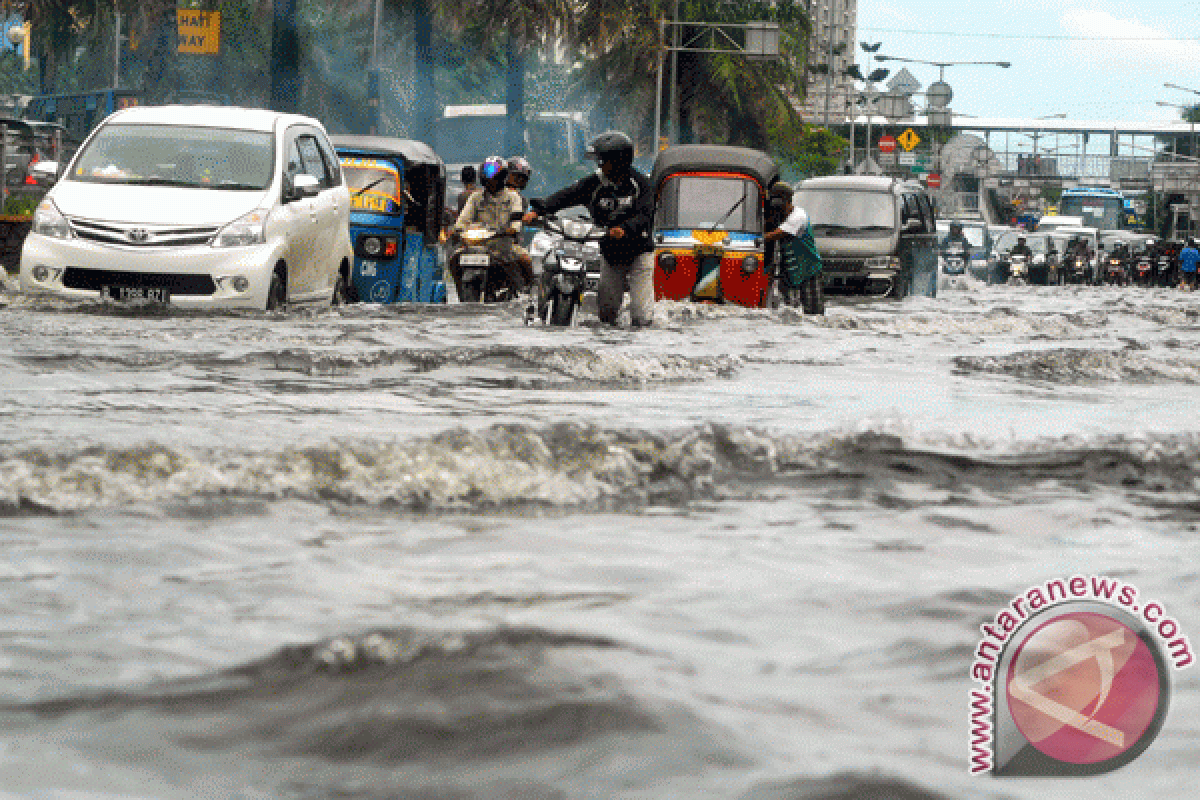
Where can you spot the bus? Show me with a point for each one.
(555, 141)
(79, 112)
(1099, 207)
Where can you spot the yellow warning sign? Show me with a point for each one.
(199, 31)
(909, 139)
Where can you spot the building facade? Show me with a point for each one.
(832, 43)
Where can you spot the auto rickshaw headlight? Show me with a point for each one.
(378, 246)
(749, 264)
(667, 262)
(372, 245)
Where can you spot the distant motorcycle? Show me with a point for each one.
(954, 259)
(1018, 269)
(1144, 271)
(1114, 271)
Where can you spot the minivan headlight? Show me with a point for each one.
(49, 221)
(245, 230)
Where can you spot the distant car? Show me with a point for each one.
(196, 206)
(28, 143)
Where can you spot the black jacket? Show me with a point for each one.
(628, 203)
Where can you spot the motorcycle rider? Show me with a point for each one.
(519, 172)
(619, 198)
(493, 207)
(1021, 248)
(956, 235)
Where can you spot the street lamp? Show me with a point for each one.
(941, 65)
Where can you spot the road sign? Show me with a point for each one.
(909, 139)
(199, 31)
(934, 181)
(907, 159)
(887, 144)
(887, 159)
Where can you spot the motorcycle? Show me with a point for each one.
(1164, 276)
(954, 259)
(1114, 271)
(485, 260)
(1144, 272)
(1074, 270)
(1018, 269)
(571, 257)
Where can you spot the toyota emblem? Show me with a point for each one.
(138, 235)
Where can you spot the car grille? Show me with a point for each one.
(142, 235)
(844, 265)
(93, 279)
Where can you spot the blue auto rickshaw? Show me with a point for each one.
(397, 193)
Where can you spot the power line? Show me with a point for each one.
(1047, 37)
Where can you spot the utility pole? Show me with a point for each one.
(829, 65)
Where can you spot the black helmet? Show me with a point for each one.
(612, 146)
(519, 167)
(494, 169)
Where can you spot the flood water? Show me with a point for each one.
(431, 553)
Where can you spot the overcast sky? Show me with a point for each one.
(1092, 59)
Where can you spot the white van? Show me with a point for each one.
(197, 206)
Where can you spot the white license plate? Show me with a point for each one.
(474, 259)
(135, 294)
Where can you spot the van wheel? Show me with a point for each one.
(277, 293)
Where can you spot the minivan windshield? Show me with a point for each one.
(172, 155)
(848, 212)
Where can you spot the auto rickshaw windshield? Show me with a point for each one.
(703, 202)
(373, 186)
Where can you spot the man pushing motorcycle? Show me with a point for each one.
(619, 198)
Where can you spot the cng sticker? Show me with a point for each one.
(909, 139)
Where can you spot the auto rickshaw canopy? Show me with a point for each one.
(424, 173)
(714, 158)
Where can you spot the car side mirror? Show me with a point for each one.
(45, 173)
(304, 186)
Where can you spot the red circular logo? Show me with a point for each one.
(1083, 688)
(887, 144)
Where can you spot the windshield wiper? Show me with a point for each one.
(371, 185)
(717, 225)
(156, 180)
(233, 185)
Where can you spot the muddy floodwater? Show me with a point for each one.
(428, 552)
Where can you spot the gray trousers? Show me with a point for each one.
(638, 278)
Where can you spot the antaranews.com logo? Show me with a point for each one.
(1072, 679)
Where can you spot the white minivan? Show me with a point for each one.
(196, 206)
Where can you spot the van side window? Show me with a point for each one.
(332, 164)
(311, 161)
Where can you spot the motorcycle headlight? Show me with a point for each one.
(749, 264)
(248, 229)
(49, 221)
(576, 229)
(541, 245)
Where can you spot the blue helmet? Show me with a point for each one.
(493, 168)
